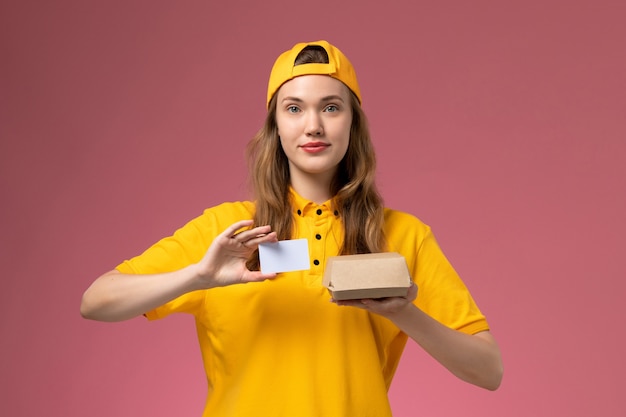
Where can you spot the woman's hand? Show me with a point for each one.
(225, 261)
(387, 307)
(473, 358)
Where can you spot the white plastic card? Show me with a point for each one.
(284, 256)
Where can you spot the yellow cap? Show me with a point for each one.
(338, 67)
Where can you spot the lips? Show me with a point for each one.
(314, 147)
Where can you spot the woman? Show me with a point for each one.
(276, 346)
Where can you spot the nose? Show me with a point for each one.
(314, 126)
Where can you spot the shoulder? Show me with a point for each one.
(235, 210)
(189, 243)
(395, 219)
(404, 231)
(215, 219)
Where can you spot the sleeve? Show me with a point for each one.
(185, 247)
(441, 292)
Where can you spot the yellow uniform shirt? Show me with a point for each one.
(279, 347)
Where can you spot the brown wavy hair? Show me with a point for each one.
(356, 197)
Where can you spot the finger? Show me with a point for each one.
(248, 235)
(231, 231)
(412, 292)
(266, 238)
(254, 276)
(349, 303)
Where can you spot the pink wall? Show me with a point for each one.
(501, 124)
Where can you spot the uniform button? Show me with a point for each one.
(318, 236)
(316, 262)
(319, 211)
(299, 212)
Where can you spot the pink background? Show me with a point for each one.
(499, 123)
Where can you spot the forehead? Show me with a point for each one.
(313, 88)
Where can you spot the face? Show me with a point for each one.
(314, 115)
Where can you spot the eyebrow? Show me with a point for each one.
(326, 98)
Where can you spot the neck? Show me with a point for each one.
(313, 187)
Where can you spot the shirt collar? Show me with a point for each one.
(301, 205)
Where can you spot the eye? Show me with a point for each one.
(331, 108)
(292, 109)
